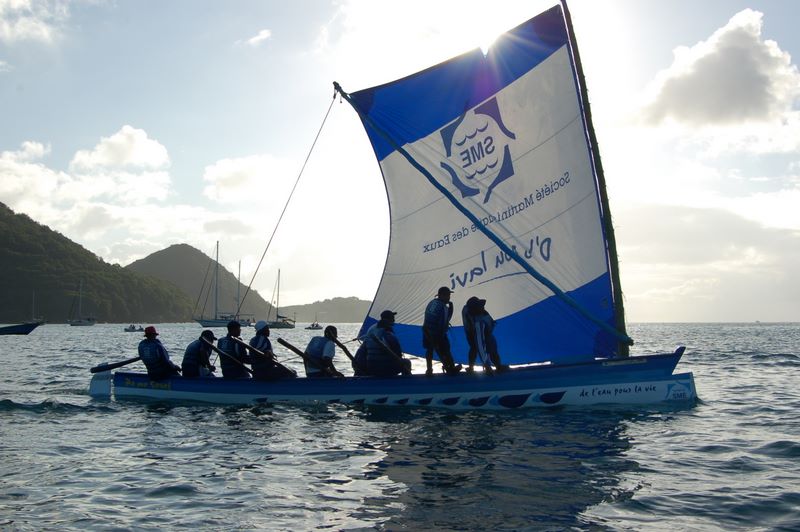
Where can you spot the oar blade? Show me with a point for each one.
(108, 367)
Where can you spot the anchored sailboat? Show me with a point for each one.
(80, 320)
(222, 319)
(496, 191)
(279, 322)
(27, 327)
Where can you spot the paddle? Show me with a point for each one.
(307, 359)
(223, 353)
(263, 354)
(343, 348)
(109, 367)
(406, 363)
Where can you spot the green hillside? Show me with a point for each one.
(37, 260)
(192, 272)
(41, 271)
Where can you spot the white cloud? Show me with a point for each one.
(261, 177)
(30, 151)
(31, 20)
(727, 135)
(686, 264)
(128, 147)
(4, 67)
(259, 38)
(733, 77)
(26, 182)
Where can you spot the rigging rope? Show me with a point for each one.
(294, 187)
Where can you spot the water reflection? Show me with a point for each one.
(480, 471)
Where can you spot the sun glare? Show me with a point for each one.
(469, 29)
(487, 42)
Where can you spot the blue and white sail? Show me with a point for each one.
(493, 193)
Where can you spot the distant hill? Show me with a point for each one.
(336, 310)
(192, 271)
(37, 260)
(41, 270)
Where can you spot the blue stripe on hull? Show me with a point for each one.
(635, 380)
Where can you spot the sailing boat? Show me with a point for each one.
(496, 191)
(280, 322)
(27, 327)
(222, 319)
(80, 320)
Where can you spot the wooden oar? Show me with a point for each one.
(343, 348)
(306, 358)
(385, 346)
(223, 353)
(263, 354)
(296, 351)
(108, 367)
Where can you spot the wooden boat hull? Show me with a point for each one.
(22, 328)
(636, 380)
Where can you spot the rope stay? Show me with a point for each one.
(286, 205)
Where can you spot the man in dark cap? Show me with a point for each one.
(155, 356)
(434, 332)
(197, 357)
(384, 356)
(235, 357)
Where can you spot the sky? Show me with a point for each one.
(129, 126)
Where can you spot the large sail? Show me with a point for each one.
(493, 193)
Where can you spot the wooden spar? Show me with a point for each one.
(608, 226)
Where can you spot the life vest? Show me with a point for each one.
(155, 358)
(316, 352)
(195, 357)
(230, 369)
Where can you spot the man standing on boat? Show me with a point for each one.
(479, 329)
(197, 358)
(266, 367)
(319, 355)
(434, 332)
(235, 355)
(155, 356)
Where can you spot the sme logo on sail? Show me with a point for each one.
(477, 149)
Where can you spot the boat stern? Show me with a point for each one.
(100, 385)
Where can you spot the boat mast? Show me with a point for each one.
(278, 298)
(216, 283)
(238, 285)
(608, 226)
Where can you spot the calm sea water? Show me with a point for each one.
(729, 462)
